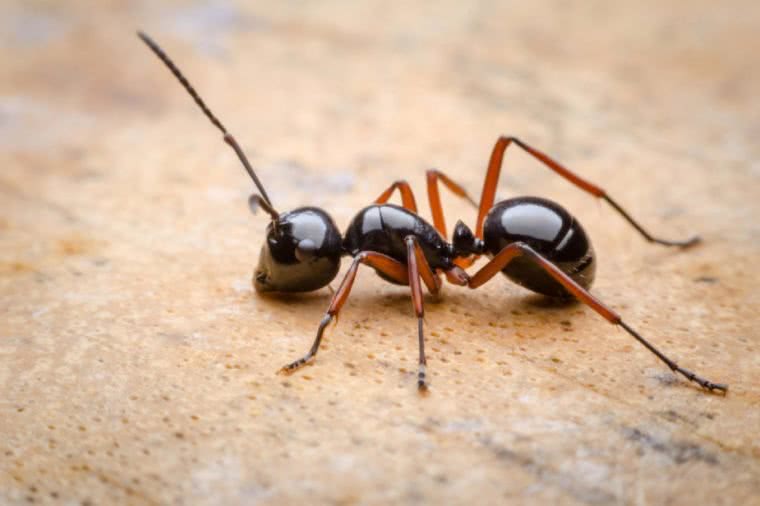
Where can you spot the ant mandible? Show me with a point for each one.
(533, 241)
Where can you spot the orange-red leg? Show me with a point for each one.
(434, 197)
(387, 265)
(407, 196)
(436, 209)
(457, 276)
(492, 180)
(418, 267)
(431, 280)
(514, 250)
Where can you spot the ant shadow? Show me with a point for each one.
(457, 302)
(375, 300)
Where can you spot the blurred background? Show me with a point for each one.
(137, 365)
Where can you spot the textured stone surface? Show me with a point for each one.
(138, 366)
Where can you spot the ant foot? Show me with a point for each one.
(707, 385)
(716, 386)
(688, 243)
(294, 366)
(422, 386)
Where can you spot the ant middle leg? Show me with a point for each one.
(433, 176)
(492, 180)
(385, 264)
(418, 268)
(514, 250)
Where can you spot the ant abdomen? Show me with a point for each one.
(552, 232)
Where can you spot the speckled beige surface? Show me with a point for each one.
(137, 366)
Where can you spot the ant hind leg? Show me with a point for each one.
(514, 250)
(492, 181)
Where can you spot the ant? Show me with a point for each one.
(533, 241)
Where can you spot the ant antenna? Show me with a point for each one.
(228, 138)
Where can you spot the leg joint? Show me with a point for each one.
(524, 249)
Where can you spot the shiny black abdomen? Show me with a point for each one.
(551, 231)
(383, 228)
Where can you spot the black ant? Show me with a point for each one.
(533, 241)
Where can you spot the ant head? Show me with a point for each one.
(464, 241)
(303, 247)
(301, 253)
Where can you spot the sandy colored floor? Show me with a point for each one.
(137, 365)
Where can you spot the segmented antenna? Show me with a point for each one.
(228, 138)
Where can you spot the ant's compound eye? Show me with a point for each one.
(305, 250)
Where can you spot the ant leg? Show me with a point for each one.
(408, 201)
(514, 250)
(436, 209)
(431, 279)
(433, 176)
(492, 180)
(418, 267)
(385, 264)
(457, 276)
(407, 197)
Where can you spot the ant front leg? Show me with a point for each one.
(436, 209)
(517, 249)
(407, 196)
(492, 180)
(433, 176)
(385, 264)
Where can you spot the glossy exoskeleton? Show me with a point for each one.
(552, 233)
(533, 241)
